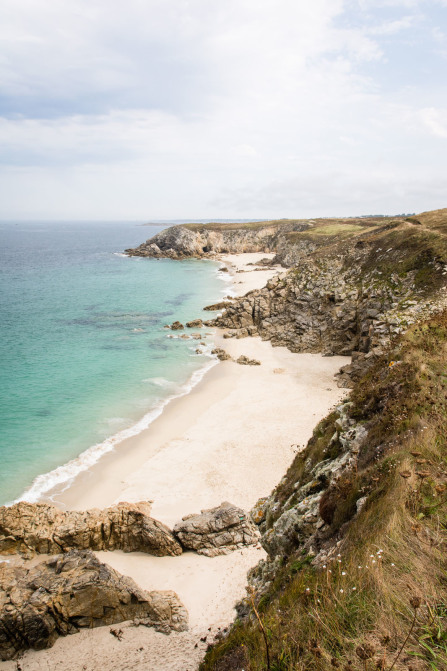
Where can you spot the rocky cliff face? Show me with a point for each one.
(71, 591)
(301, 510)
(39, 528)
(347, 298)
(179, 242)
(356, 530)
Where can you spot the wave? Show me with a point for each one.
(159, 381)
(64, 475)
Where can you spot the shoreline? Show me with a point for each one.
(102, 455)
(232, 438)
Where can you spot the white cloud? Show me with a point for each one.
(178, 109)
(435, 120)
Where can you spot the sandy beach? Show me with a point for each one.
(230, 439)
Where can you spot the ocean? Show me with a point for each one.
(84, 358)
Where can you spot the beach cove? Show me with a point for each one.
(230, 439)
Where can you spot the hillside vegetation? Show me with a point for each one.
(347, 592)
(356, 531)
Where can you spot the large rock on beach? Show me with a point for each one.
(39, 528)
(73, 591)
(221, 354)
(246, 361)
(217, 531)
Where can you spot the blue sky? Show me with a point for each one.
(151, 109)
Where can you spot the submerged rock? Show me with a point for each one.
(217, 531)
(73, 591)
(38, 528)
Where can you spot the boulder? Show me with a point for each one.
(221, 354)
(73, 591)
(245, 361)
(177, 326)
(194, 324)
(217, 531)
(39, 528)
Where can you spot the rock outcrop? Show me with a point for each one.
(300, 511)
(73, 591)
(202, 241)
(221, 354)
(38, 528)
(319, 308)
(246, 361)
(347, 299)
(217, 531)
(195, 323)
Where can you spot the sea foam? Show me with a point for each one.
(63, 476)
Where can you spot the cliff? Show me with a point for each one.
(350, 293)
(278, 236)
(356, 530)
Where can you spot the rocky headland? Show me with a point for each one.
(205, 241)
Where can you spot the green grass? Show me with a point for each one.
(338, 229)
(250, 225)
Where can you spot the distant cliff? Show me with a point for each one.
(289, 239)
(205, 241)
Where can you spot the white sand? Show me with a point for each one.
(248, 277)
(232, 438)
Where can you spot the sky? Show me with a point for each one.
(191, 109)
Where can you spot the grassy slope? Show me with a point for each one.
(319, 226)
(317, 617)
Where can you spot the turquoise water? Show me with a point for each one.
(83, 354)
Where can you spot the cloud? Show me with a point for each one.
(435, 120)
(178, 109)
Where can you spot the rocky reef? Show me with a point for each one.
(73, 591)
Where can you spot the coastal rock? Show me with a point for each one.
(38, 528)
(217, 531)
(245, 361)
(73, 591)
(222, 305)
(195, 323)
(177, 326)
(205, 241)
(221, 354)
(259, 510)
